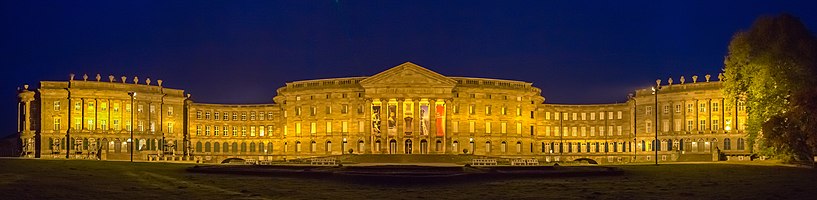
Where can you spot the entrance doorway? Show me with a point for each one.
(392, 146)
(407, 147)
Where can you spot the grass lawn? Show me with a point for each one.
(52, 179)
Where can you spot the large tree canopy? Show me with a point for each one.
(772, 67)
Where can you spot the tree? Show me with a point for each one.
(772, 67)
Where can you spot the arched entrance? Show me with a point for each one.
(423, 147)
(392, 146)
(407, 147)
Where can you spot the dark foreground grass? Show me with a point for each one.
(59, 179)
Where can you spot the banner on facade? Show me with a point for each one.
(392, 119)
(376, 119)
(408, 119)
(424, 119)
(439, 110)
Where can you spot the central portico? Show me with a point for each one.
(402, 100)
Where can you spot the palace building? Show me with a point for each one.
(407, 109)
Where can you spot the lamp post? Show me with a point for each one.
(132, 96)
(655, 90)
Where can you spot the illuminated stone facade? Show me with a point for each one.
(404, 110)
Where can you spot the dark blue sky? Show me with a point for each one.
(241, 51)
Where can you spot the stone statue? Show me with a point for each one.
(682, 80)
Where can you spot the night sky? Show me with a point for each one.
(242, 51)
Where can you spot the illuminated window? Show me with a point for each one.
(207, 131)
(243, 131)
(702, 107)
(207, 115)
(702, 125)
(56, 105)
(216, 116)
(198, 129)
(715, 107)
(57, 123)
(715, 124)
(198, 114)
(235, 131)
(648, 110)
(243, 116)
(252, 131)
(487, 127)
(252, 116)
(216, 129)
(261, 116)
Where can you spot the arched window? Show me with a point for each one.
(328, 146)
(669, 145)
(235, 147)
(252, 147)
(243, 147)
(207, 147)
(225, 147)
(376, 146)
(503, 147)
(361, 146)
(740, 144)
(454, 147)
(261, 147)
(216, 147)
(681, 145)
(297, 146)
(570, 147)
(198, 147)
(643, 146)
(269, 148)
(438, 146)
(543, 147)
(313, 146)
(488, 147)
(727, 144)
(518, 147)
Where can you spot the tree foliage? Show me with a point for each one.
(772, 67)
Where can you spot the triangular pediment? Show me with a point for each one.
(408, 75)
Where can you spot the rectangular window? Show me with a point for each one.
(103, 124)
(56, 124)
(103, 106)
(678, 108)
(584, 131)
(690, 125)
(261, 116)
(519, 128)
(243, 131)
(328, 127)
(313, 128)
(715, 107)
(91, 106)
(206, 115)
(115, 107)
(702, 108)
(575, 116)
(328, 110)
(344, 108)
(252, 131)
(547, 115)
(471, 109)
(198, 129)
(648, 126)
(170, 111)
(344, 127)
(702, 125)
(678, 124)
(78, 106)
(198, 114)
(487, 127)
(298, 128)
(503, 128)
(471, 126)
(261, 131)
(665, 125)
(252, 116)
(584, 116)
(455, 127)
(207, 131)
(715, 123)
(216, 129)
(235, 116)
(116, 124)
(488, 110)
(619, 115)
(313, 111)
(235, 131)
(592, 131)
(90, 124)
(226, 116)
(648, 110)
(666, 109)
(56, 105)
(574, 131)
(601, 115)
(270, 130)
(547, 131)
(618, 130)
(269, 115)
(243, 116)
(592, 116)
(224, 131)
(216, 116)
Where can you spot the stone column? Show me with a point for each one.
(19, 129)
(27, 115)
(82, 115)
(96, 114)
